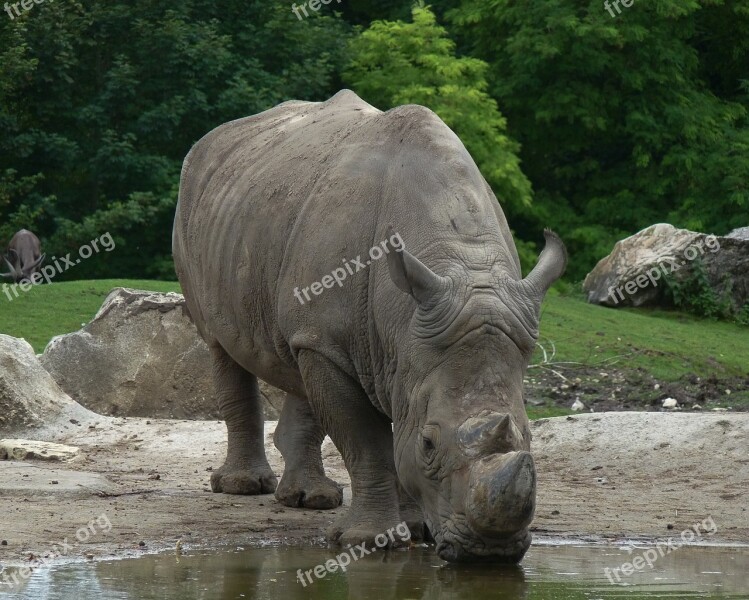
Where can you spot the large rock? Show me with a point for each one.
(141, 356)
(633, 274)
(29, 397)
(742, 233)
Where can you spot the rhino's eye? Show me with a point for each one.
(429, 440)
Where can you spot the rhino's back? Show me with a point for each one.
(243, 190)
(278, 200)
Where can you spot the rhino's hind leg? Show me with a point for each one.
(364, 438)
(246, 469)
(298, 437)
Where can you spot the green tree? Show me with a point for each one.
(101, 102)
(626, 120)
(397, 62)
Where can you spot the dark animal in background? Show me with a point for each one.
(24, 257)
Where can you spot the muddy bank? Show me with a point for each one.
(604, 477)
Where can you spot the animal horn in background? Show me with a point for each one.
(12, 274)
(38, 261)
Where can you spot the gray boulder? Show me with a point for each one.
(635, 271)
(141, 356)
(742, 233)
(29, 397)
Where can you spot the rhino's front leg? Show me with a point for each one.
(298, 437)
(364, 438)
(246, 469)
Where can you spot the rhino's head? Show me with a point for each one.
(462, 437)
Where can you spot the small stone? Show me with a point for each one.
(577, 405)
(554, 512)
(669, 526)
(696, 407)
(670, 403)
(89, 556)
(155, 476)
(54, 482)
(728, 392)
(4, 543)
(141, 543)
(657, 386)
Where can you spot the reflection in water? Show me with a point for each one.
(559, 573)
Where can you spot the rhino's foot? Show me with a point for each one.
(309, 492)
(368, 530)
(248, 482)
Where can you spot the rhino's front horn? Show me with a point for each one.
(502, 494)
(550, 266)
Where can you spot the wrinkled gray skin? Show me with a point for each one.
(24, 257)
(434, 339)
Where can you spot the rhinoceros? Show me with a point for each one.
(24, 256)
(413, 362)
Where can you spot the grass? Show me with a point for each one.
(665, 344)
(49, 310)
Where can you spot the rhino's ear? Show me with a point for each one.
(412, 276)
(550, 266)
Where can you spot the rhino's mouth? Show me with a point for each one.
(472, 548)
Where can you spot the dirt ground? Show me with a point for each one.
(613, 389)
(603, 477)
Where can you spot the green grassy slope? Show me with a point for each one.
(667, 345)
(49, 310)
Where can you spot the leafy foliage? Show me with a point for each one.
(101, 102)
(618, 122)
(695, 294)
(623, 121)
